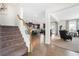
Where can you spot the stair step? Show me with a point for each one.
(19, 51)
(10, 43)
(6, 36)
(10, 39)
(8, 27)
(9, 32)
(11, 48)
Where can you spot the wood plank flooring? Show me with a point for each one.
(49, 50)
(11, 43)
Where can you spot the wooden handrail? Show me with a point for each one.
(25, 24)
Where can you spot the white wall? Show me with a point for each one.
(35, 16)
(10, 17)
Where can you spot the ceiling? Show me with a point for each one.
(39, 7)
(58, 11)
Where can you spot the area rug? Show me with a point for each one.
(70, 45)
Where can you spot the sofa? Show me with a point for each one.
(64, 35)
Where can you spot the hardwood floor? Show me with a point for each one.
(11, 44)
(49, 50)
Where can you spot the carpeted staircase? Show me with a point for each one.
(11, 41)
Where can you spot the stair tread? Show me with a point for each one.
(17, 52)
(12, 49)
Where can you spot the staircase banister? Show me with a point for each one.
(25, 24)
(29, 30)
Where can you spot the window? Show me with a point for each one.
(53, 28)
(72, 26)
(78, 24)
